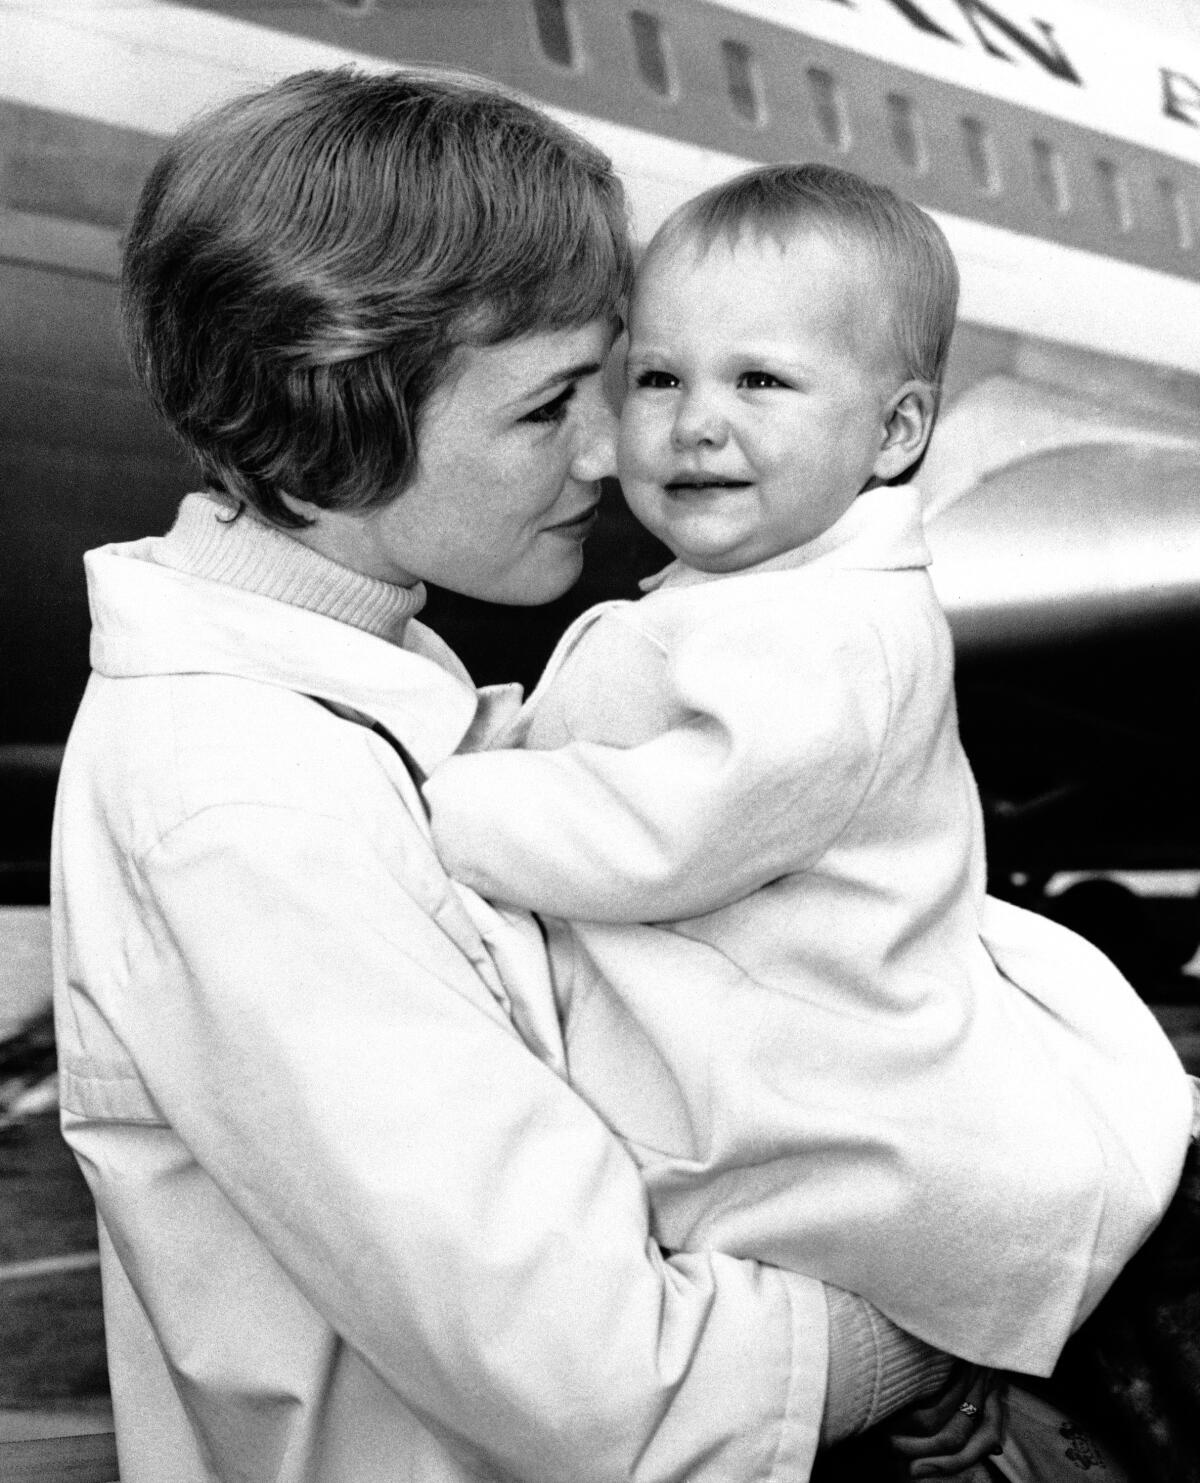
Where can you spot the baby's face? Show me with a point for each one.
(757, 395)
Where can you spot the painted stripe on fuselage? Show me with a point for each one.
(155, 65)
(192, 46)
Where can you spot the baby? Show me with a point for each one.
(743, 804)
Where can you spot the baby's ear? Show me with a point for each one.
(908, 421)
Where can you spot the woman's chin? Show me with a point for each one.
(533, 587)
(537, 594)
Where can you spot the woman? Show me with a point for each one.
(352, 1227)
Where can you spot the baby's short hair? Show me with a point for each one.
(305, 260)
(911, 251)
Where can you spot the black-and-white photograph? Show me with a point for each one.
(599, 814)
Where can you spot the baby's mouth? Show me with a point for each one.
(702, 484)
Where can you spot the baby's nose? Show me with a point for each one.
(698, 423)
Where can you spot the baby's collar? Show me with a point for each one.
(882, 527)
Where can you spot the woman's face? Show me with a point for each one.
(510, 450)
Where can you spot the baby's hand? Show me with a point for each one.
(949, 1435)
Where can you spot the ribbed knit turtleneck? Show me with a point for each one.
(245, 552)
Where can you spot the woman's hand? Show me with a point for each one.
(947, 1435)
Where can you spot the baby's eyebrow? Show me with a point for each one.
(645, 364)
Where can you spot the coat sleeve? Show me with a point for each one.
(776, 738)
(449, 1206)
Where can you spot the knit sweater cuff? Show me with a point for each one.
(875, 1368)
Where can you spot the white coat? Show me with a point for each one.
(351, 1229)
(748, 795)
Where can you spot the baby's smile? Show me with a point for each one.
(703, 483)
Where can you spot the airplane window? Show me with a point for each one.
(650, 49)
(1177, 215)
(1050, 176)
(908, 131)
(1114, 194)
(829, 106)
(741, 81)
(554, 31)
(981, 155)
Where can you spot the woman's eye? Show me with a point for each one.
(759, 380)
(655, 380)
(554, 410)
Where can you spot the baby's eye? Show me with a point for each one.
(554, 410)
(758, 380)
(655, 380)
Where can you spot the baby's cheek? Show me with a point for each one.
(631, 456)
(641, 435)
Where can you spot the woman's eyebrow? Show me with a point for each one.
(568, 373)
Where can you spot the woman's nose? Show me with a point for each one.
(698, 423)
(596, 450)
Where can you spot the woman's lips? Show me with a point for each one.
(577, 525)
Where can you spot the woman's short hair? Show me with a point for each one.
(304, 261)
(913, 257)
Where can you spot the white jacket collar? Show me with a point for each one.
(149, 619)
